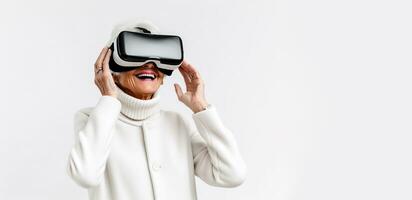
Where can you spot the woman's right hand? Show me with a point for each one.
(103, 77)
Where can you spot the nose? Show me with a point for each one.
(150, 65)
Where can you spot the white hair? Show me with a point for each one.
(132, 25)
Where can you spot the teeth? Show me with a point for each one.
(146, 75)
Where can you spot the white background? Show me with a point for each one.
(317, 93)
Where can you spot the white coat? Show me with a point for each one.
(118, 158)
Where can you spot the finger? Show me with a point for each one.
(106, 61)
(183, 62)
(184, 65)
(185, 76)
(99, 60)
(178, 90)
(193, 73)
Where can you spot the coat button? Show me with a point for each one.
(156, 166)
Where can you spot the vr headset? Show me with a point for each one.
(133, 49)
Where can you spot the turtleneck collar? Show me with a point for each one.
(138, 109)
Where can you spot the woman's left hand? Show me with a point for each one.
(194, 97)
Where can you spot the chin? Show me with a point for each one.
(148, 89)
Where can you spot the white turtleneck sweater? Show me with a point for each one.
(129, 149)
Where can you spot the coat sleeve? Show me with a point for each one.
(217, 160)
(92, 135)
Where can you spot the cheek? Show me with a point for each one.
(132, 81)
(160, 81)
(128, 81)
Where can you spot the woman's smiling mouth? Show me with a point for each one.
(145, 76)
(149, 75)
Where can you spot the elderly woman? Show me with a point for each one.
(127, 148)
